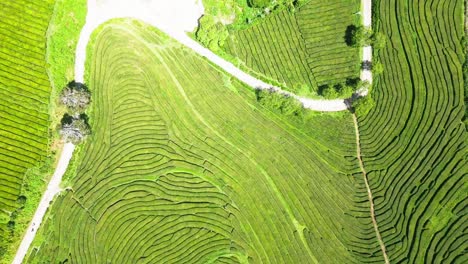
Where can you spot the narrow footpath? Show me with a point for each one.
(369, 191)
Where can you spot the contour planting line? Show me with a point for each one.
(53, 188)
(177, 17)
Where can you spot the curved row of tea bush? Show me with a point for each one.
(24, 101)
(274, 48)
(301, 50)
(414, 141)
(184, 166)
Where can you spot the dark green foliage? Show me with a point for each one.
(75, 129)
(341, 90)
(76, 97)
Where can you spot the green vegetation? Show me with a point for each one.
(211, 34)
(275, 54)
(414, 141)
(240, 14)
(299, 48)
(24, 111)
(174, 173)
(62, 38)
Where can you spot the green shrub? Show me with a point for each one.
(211, 34)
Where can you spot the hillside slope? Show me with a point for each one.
(185, 166)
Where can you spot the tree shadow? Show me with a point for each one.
(349, 35)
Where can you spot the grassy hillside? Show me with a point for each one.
(24, 111)
(300, 50)
(413, 141)
(184, 166)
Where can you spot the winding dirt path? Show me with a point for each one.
(369, 191)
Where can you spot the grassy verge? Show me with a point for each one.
(64, 31)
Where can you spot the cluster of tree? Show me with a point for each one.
(359, 36)
(210, 33)
(342, 90)
(74, 125)
(279, 102)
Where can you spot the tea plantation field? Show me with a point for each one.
(414, 141)
(303, 49)
(24, 105)
(184, 166)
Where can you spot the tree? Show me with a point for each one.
(211, 34)
(377, 68)
(76, 97)
(285, 104)
(329, 92)
(378, 41)
(357, 36)
(74, 129)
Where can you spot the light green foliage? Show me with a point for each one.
(181, 168)
(359, 36)
(379, 41)
(413, 141)
(210, 33)
(65, 26)
(24, 113)
(363, 105)
(305, 47)
(377, 68)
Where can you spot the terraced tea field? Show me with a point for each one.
(306, 47)
(184, 166)
(24, 101)
(413, 141)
